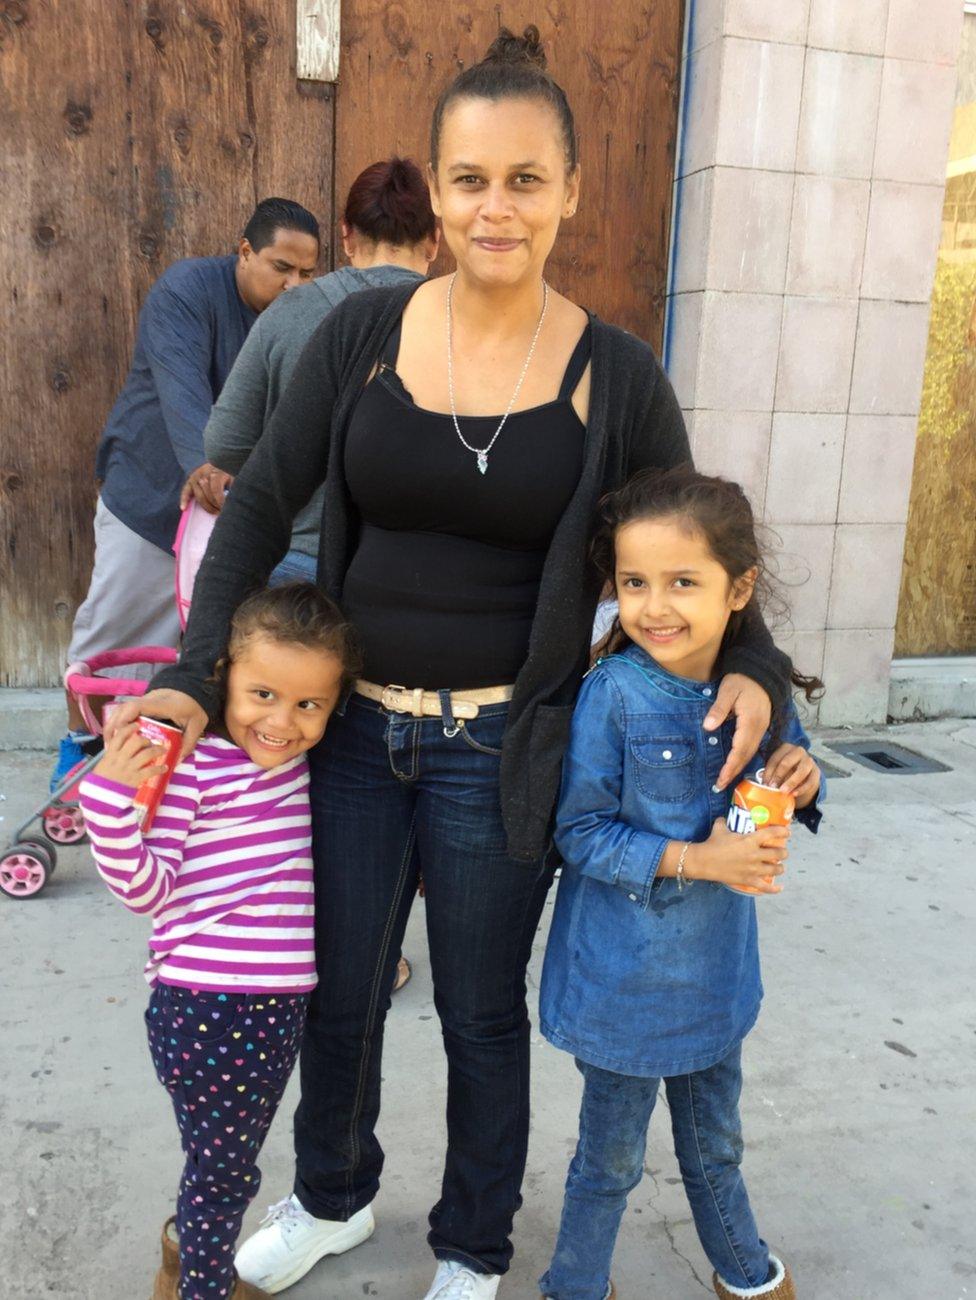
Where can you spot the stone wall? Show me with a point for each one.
(808, 203)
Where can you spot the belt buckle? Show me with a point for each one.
(392, 699)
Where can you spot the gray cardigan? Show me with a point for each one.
(634, 422)
(265, 364)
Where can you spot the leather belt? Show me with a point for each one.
(427, 704)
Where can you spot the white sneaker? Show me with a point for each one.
(453, 1281)
(290, 1240)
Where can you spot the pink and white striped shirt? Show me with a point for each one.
(225, 870)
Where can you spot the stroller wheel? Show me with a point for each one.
(43, 848)
(64, 824)
(24, 871)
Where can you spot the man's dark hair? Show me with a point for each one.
(272, 215)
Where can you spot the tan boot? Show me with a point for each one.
(246, 1291)
(167, 1283)
(779, 1286)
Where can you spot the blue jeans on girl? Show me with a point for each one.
(609, 1162)
(224, 1059)
(393, 796)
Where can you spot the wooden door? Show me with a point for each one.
(131, 135)
(142, 131)
(618, 63)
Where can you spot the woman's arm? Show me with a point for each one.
(236, 420)
(254, 528)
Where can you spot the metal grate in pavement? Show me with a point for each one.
(887, 758)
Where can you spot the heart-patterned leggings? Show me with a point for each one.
(224, 1059)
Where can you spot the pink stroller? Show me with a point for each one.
(28, 863)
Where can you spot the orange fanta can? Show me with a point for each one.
(755, 805)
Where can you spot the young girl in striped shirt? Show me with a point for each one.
(226, 874)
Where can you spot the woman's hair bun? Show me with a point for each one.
(509, 48)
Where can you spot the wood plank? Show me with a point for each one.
(317, 40)
(64, 283)
(619, 64)
(295, 133)
(130, 135)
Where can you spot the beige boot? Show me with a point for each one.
(167, 1283)
(779, 1286)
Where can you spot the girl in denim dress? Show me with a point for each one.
(652, 968)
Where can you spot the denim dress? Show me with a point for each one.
(641, 977)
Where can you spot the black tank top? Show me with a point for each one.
(445, 579)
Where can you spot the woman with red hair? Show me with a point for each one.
(390, 236)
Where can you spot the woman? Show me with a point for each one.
(389, 235)
(456, 538)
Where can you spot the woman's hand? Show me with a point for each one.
(172, 706)
(208, 486)
(752, 861)
(792, 770)
(129, 758)
(753, 710)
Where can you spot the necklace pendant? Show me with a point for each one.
(482, 461)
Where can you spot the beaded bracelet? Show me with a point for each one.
(679, 871)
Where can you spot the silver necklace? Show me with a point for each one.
(482, 452)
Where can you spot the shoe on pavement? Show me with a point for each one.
(778, 1286)
(453, 1281)
(70, 754)
(166, 1285)
(403, 972)
(290, 1241)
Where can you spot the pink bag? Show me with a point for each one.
(192, 537)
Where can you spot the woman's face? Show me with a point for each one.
(501, 187)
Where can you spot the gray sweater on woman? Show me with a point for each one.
(264, 365)
(634, 422)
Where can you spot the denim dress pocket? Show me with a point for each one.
(663, 767)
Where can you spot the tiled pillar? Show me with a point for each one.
(809, 195)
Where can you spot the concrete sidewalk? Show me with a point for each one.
(859, 1105)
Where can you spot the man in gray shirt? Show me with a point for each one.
(390, 236)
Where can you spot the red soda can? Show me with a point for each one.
(753, 805)
(149, 794)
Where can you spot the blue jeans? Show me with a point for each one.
(392, 797)
(295, 567)
(609, 1162)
